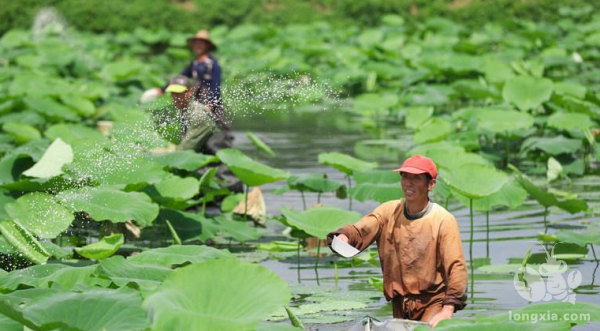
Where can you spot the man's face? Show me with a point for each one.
(416, 187)
(181, 100)
(200, 47)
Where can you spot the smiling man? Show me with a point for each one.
(423, 265)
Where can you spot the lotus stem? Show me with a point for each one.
(593, 251)
(319, 197)
(204, 208)
(471, 251)
(298, 259)
(487, 223)
(318, 253)
(246, 204)
(545, 220)
(303, 199)
(349, 196)
(335, 268)
(506, 152)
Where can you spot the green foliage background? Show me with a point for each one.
(178, 15)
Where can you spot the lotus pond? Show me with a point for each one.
(104, 227)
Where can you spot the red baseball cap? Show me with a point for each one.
(418, 164)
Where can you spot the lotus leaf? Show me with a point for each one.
(376, 192)
(122, 272)
(232, 288)
(250, 172)
(569, 121)
(313, 182)
(261, 145)
(572, 89)
(40, 214)
(51, 109)
(554, 169)
(185, 160)
(511, 195)
(80, 105)
(372, 103)
(474, 180)
(75, 135)
(176, 188)
(24, 242)
(21, 133)
(417, 116)
(102, 249)
(240, 231)
(527, 92)
(345, 163)
(56, 156)
(190, 225)
(105, 203)
(496, 71)
(319, 222)
(178, 255)
(434, 130)
(579, 238)
(503, 121)
(553, 146)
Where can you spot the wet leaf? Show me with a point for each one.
(102, 249)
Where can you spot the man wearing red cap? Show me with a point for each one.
(423, 265)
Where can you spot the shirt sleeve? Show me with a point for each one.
(364, 232)
(453, 264)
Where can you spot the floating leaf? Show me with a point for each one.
(105, 203)
(345, 163)
(250, 172)
(319, 222)
(232, 287)
(102, 249)
(56, 156)
(40, 214)
(527, 92)
(260, 144)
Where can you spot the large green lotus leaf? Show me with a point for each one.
(427, 149)
(76, 135)
(190, 225)
(417, 116)
(313, 182)
(569, 121)
(40, 214)
(345, 163)
(377, 177)
(8, 324)
(250, 172)
(554, 146)
(35, 149)
(474, 180)
(434, 130)
(177, 188)
(373, 103)
(542, 196)
(177, 255)
(20, 132)
(319, 222)
(185, 160)
(527, 92)
(80, 105)
(376, 192)
(261, 145)
(110, 168)
(240, 231)
(56, 156)
(216, 295)
(96, 309)
(579, 238)
(495, 70)
(569, 88)
(511, 195)
(122, 272)
(51, 109)
(105, 203)
(103, 248)
(4, 199)
(121, 70)
(23, 242)
(573, 206)
(55, 276)
(450, 159)
(501, 121)
(328, 305)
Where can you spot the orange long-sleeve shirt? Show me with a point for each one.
(422, 256)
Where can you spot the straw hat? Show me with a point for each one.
(203, 35)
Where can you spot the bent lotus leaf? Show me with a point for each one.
(250, 172)
(376, 192)
(313, 183)
(319, 222)
(345, 163)
(216, 295)
(548, 199)
(417, 116)
(501, 121)
(56, 156)
(436, 129)
(176, 188)
(96, 309)
(190, 225)
(553, 146)
(579, 238)
(474, 180)
(185, 160)
(240, 231)
(105, 203)
(122, 272)
(511, 195)
(180, 254)
(40, 214)
(377, 177)
(261, 145)
(452, 160)
(24, 242)
(527, 92)
(569, 121)
(102, 249)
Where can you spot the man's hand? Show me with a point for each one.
(343, 238)
(444, 314)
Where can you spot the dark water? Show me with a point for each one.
(297, 140)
